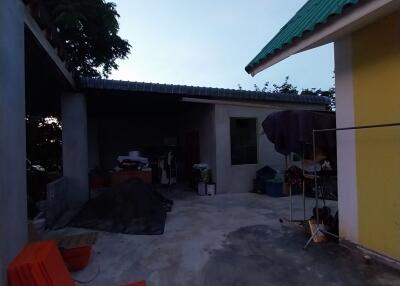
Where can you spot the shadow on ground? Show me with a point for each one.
(258, 255)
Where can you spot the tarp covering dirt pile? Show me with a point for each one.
(132, 208)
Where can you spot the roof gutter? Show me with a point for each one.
(353, 19)
(272, 105)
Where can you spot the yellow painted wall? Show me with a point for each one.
(376, 80)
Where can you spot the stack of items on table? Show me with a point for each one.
(132, 166)
(134, 161)
(202, 180)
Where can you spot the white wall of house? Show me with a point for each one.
(346, 154)
(239, 178)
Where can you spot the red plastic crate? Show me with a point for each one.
(39, 264)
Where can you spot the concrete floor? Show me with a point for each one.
(230, 239)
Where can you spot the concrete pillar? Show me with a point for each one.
(75, 148)
(346, 142)
(13, 212)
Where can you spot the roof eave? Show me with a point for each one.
(337, 27)
(88, 84)
(53, 52)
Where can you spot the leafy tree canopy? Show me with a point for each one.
(288, 88)
(90, 31)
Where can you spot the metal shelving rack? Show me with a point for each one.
(319, 229)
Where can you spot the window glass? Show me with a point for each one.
(243, 141)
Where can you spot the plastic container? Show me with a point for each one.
(76, 258)
(274, 189)
(201, 189)
(39, 264)
(211, 189)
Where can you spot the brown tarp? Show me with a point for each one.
(291, 131)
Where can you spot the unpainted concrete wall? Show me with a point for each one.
(346, 141)
(75, 148)
(13, 210)
(239, 178)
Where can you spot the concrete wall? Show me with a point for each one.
(75, 148)
(56, 200)
(346, 151)
(13, 213)
(367, 65)
(376, 71)
(239, 178)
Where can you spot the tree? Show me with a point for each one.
(89, 29)
(44, 141)
(330, 93)
(288, 88)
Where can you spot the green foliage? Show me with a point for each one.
(330, 93)
(288, 88)
(44, 141)
(89, 29)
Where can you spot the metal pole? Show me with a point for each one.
(303, 182)
(315, 180)
(304, 200)
(291, 203)
(358, 127)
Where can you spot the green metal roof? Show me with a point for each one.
(314, 12)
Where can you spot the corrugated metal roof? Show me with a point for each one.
(198, 92)
(312, 14)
